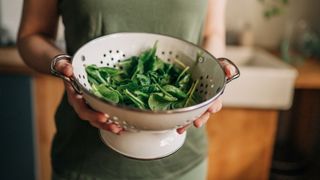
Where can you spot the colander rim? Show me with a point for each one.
(178, 110)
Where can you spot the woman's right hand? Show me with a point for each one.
(96, 119)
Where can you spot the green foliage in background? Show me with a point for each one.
(273, 8)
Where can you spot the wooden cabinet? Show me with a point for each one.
(241, 143)
(296, 153)
(16, 135)
(47, 94)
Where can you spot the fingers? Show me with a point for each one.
(81, 108)
(113, 128)
(229, 69)
(64, 67)
(201, 120)
(183, 129)
(107, 127)
(96, 119)
(197, 123)
(216, 106)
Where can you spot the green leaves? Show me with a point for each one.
(273, 8)
(144, 82)
(174, 91)
(106, 93)
(157, 102)
(137, 102)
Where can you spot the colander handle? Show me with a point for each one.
(67, 79)
(227, 61)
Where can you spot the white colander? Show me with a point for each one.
(148, 134)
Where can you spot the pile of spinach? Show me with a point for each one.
(144, 82)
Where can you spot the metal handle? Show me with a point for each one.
(53, 70)
(236, 75)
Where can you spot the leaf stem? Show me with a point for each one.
(134, 99)
(191, 91)
(182, 73)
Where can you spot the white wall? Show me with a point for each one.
(268, 33)
(10, 13)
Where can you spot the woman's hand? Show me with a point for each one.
(215, 106)
(96, 119)
(214, 42)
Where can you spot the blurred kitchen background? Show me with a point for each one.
(269, 126)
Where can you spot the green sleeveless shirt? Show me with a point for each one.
(77, 150)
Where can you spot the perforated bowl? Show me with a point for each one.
(109, 50)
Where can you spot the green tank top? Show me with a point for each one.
(77, 150)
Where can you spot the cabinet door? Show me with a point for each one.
(241, 143)
(16, 134)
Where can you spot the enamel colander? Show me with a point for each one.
(148, 134)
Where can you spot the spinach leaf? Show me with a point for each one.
(91, 80)
(157, 102)
(107, 93)
(128, 65)
(174, 91)
(146, 56)
(143, 80)
(134, 99)
(182, 73)
(108, 71)
(93, 71)
(184, 83)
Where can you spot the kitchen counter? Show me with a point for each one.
(11, 62)
(309, 75)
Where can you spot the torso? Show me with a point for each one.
(77, 148)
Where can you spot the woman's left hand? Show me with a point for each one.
(215, 106)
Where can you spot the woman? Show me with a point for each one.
(77, 151)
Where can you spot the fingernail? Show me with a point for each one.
(232, 70)
(108, 121)
(214, 110)
(181, 131)
(197, 123)
(115, 129)
(211, 110)
(105, 120)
